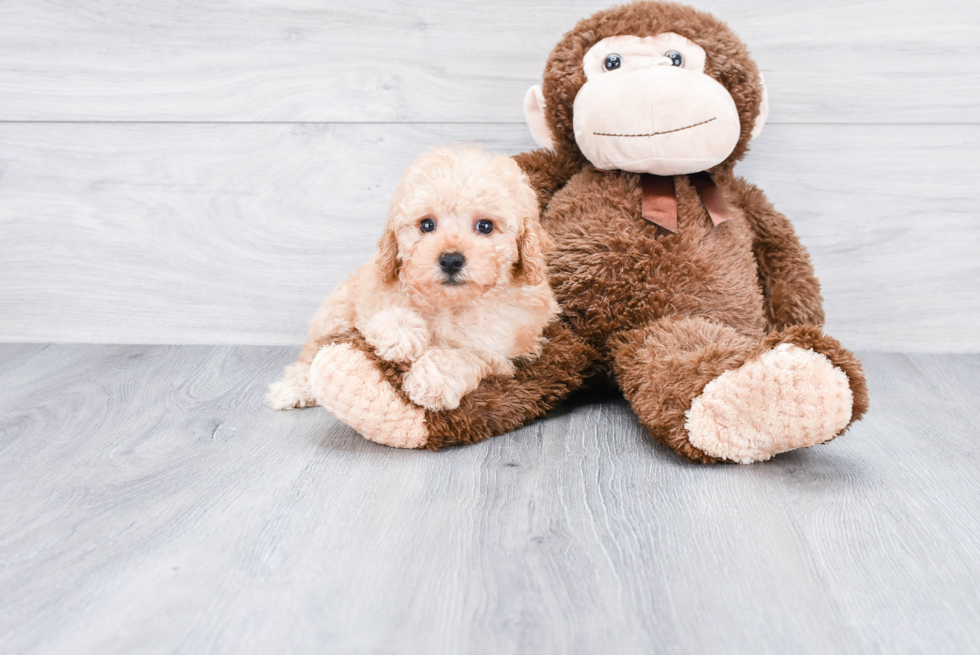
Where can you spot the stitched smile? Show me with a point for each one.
(657, 133)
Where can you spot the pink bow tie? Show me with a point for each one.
(660, 199)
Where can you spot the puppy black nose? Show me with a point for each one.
(451, 262)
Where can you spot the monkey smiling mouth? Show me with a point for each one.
(679, 129)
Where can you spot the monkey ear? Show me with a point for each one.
(534, 115)
(388, 256)
(531, 250)
(760, 120)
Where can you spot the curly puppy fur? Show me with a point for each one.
(665, 315)
(453, 329)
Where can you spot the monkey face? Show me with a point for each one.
(630, 89)
(648, 107)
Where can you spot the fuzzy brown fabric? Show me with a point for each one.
(791, 291)
(661, 314)
(663, 366)
(500, 405)
(549, 170)
(613, 271)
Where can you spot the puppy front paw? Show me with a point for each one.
(434, 383)
(397, 334)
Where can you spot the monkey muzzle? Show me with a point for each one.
(662, 120)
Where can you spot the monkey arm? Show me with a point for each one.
(368, 393)
(791, 290)
(548, 171)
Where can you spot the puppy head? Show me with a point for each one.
(462, 222)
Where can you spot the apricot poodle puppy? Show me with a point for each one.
(458, 288)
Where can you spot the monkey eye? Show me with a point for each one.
(427, 225)
(675, 58)
(484, 226)
(613, 62)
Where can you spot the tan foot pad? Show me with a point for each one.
(787, 398)
(351, 387)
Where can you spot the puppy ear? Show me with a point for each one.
(531, 249)
(388, 256)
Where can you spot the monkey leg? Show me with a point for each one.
(365, 392)
(711, 393)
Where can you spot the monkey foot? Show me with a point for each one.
(348, 384)
(785, 399)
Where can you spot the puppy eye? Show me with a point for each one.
(427, 225)
(484, 226)
(675, 58)
(613, 62)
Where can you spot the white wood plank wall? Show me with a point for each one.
(204, 172)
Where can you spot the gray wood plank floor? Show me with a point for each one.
(150, 503)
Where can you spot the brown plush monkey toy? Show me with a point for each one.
(678, 280)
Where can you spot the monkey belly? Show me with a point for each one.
(612, 271)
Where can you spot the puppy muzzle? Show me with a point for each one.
(451, 264)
